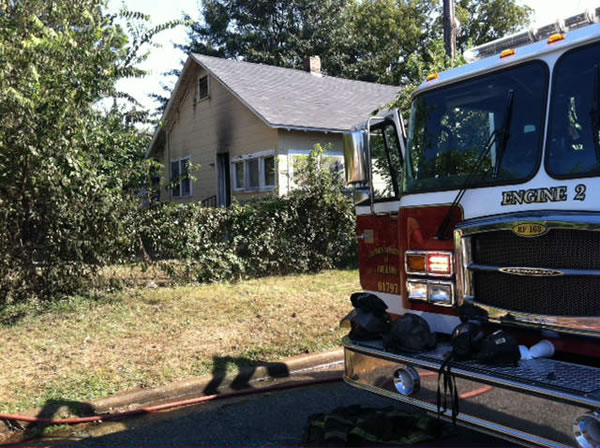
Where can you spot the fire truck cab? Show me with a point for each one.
(491, 196)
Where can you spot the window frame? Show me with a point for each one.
(245, 161)
(395, 175)
(200, 79)
(180, 165)
(293, 153)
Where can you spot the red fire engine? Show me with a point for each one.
(491, 197)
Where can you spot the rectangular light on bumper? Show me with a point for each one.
(432, 291)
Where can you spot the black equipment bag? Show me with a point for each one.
(466, 340)
(499, 348)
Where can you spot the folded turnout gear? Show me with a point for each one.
(410, 333)
(369, 319)
(358, 426)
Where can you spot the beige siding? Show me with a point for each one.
(290, 141)
(220, 124)
(204, 128)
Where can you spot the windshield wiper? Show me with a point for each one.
(505, 134)
(502, 134)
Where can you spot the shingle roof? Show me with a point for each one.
(285, 97)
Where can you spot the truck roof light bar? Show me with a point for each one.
(533, 34)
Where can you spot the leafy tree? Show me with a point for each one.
(382, 34)
(69, 173)
(484, 20)
(370, 40)
(280, 32)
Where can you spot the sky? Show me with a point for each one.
(165, 57)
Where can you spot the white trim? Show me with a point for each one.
(308, 129)
(254, 155)
(179, 160)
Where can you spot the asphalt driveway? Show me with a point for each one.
(267, 419)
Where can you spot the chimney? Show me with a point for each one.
(312, 64)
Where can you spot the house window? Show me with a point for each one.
(269, 171)
(297, 158)
(203, 87)
(238, 176)
(252, 166)
(254, 172)
(181, 184)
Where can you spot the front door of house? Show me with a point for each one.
(223, 179)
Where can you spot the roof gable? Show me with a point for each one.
(288, 98)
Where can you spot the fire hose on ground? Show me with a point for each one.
(199, 400)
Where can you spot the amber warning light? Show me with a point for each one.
(426, 262)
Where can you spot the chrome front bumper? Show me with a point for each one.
(534, 404)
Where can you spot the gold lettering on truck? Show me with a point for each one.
(530, 229)
(535, 195)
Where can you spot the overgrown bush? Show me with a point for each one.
(308, 230)
(69, 172)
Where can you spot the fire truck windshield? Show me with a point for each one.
(450, 126)
(573, 146)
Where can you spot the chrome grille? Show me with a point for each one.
(556, 280)
(554, 296)
(559, 248)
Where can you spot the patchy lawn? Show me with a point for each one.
(83, 349)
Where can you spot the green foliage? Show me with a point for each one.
(272, 32)
(69, 174)
(369, 40)
(484, 21)
(309, 230)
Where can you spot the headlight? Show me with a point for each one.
(440, 293)
(417, 289)
(432, 291)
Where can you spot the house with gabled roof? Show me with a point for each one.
(241, 126)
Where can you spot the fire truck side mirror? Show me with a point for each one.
(355, 157)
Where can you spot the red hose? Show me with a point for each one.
(474, 393)
(160, 407)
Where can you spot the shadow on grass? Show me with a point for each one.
(247, 368)
(54, 409)
(75, 408)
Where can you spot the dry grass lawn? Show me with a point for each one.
(83, 349)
